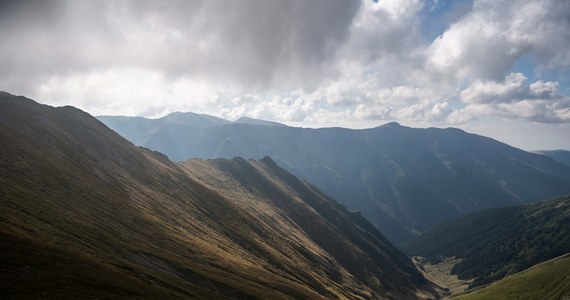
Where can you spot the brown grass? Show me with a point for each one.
(86, 214)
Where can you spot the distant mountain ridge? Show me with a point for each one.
(142, 131)
(404, 180)
(246, 120)
(562, 156)
(85, 212)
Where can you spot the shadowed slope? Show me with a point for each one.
(85, 198)
(350, 239)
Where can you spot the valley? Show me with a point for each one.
(441, 274)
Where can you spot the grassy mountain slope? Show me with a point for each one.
(404, 180)
(546, 281)
(497, 242)
(348, 237)
(84, 212)
(35, 270)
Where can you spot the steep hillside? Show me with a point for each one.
(562, 156)
(348, 237)
(404, 180)
(546, 281)
(497, 242)
(84, 212)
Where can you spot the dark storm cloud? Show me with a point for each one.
(250, 42)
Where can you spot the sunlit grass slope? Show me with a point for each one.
(547, 281)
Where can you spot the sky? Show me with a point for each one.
(493, 67)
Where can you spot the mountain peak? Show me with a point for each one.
(194, 119)
(251, 121)
(391, 125)
(267, 160)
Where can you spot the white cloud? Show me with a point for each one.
(304, 62)
(486, 43)
(516, 99)
(131, 91)
(538, 111)
(544, 89)
(486, 91)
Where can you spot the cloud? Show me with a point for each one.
(319, 62)
(253, 43)
(466, 72)
(487, 42)
(540, 111)
(544, 89)
(512, 89)
(516, 99)
(386, 28)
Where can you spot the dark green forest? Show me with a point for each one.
(497, 242)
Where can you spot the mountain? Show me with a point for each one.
(141, 129)
(85, 212)
(246, 120)
(404, 180)
(497, 242)
(546, 281)
(357, 245)
(562, 156)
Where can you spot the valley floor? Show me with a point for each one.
(440, 274)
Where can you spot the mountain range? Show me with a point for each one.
(562, 156)
(404, 180)
(85, 212)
